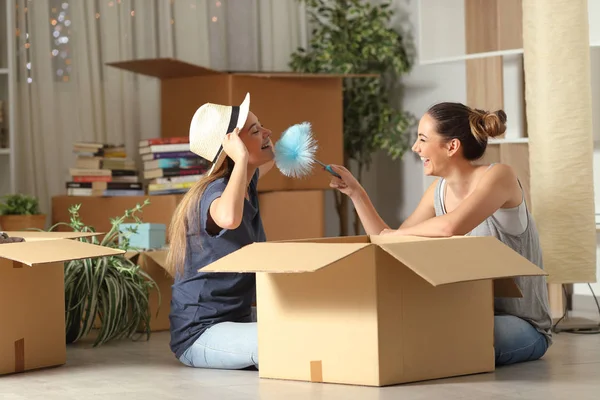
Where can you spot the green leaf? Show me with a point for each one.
(113, 289)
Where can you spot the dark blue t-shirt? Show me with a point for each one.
(202, 299)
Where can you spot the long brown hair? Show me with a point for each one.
(178, 228)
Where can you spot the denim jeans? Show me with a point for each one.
(516, 340)
(227, 345)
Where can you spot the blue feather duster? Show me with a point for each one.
(295, 151)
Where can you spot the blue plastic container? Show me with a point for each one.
(148, 235)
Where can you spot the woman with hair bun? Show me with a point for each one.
(477, 200)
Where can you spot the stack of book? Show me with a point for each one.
(103, 170)
(169, 165)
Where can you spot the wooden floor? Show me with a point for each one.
(147, 370)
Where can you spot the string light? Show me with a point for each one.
(218, 4)
(214, 19)
(132, 13)
(61, 32)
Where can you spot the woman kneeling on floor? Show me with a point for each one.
(484, 200)
(211, 319)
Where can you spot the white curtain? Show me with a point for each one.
(66, 93)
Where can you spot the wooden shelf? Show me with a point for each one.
(3, 71)
(4, 152)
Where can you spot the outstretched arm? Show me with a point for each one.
(493, 191)
(425, 210)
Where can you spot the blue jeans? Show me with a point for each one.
(516, 340)
(227, 345)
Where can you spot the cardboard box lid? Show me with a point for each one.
(50, 251)
(437, 261)
(169, 68)
(461, 259)
(164, 68)
(284, 257)
(158, 256)
(31, 236)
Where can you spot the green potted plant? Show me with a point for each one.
(19, 212)
(356, 37)
(111, 292)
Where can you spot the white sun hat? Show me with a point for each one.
(210, 124)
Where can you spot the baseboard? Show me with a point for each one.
(585, 303)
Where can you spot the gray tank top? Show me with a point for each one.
(533, 306)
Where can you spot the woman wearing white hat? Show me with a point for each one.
(211, 323)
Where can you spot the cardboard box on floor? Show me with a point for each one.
(32, 297)
(377, 310)
(153, 263)
(279, 100)
(297, 214)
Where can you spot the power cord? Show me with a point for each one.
(581, 331)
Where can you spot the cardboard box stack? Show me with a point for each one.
(169, 166)
(103, 170)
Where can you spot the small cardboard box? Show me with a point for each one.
(153, 263)
(377, 310)
(32, 297)
(278, 99)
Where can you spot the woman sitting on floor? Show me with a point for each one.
(468, 199)
(211, 316)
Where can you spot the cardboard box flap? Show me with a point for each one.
(506, 287)
(158, 256)
(31, 236)
(296, 75)
(49, 251)
(461, 259)
(284, 257)
(164, 68)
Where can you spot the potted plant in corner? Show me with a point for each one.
(110, 291)
(19, 212)
(358, 37)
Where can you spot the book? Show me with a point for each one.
(164, 172)
(161, 148)
(172, 140)
(174, 163)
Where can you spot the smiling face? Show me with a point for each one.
(435, 152)
(257, 139)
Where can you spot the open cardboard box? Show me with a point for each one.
(153, 262)
(32, 297)
(378, 310)
(278, 99)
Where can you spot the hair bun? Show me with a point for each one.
(493, 123)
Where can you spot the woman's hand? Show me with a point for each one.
(348, 184)
(235, 148)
